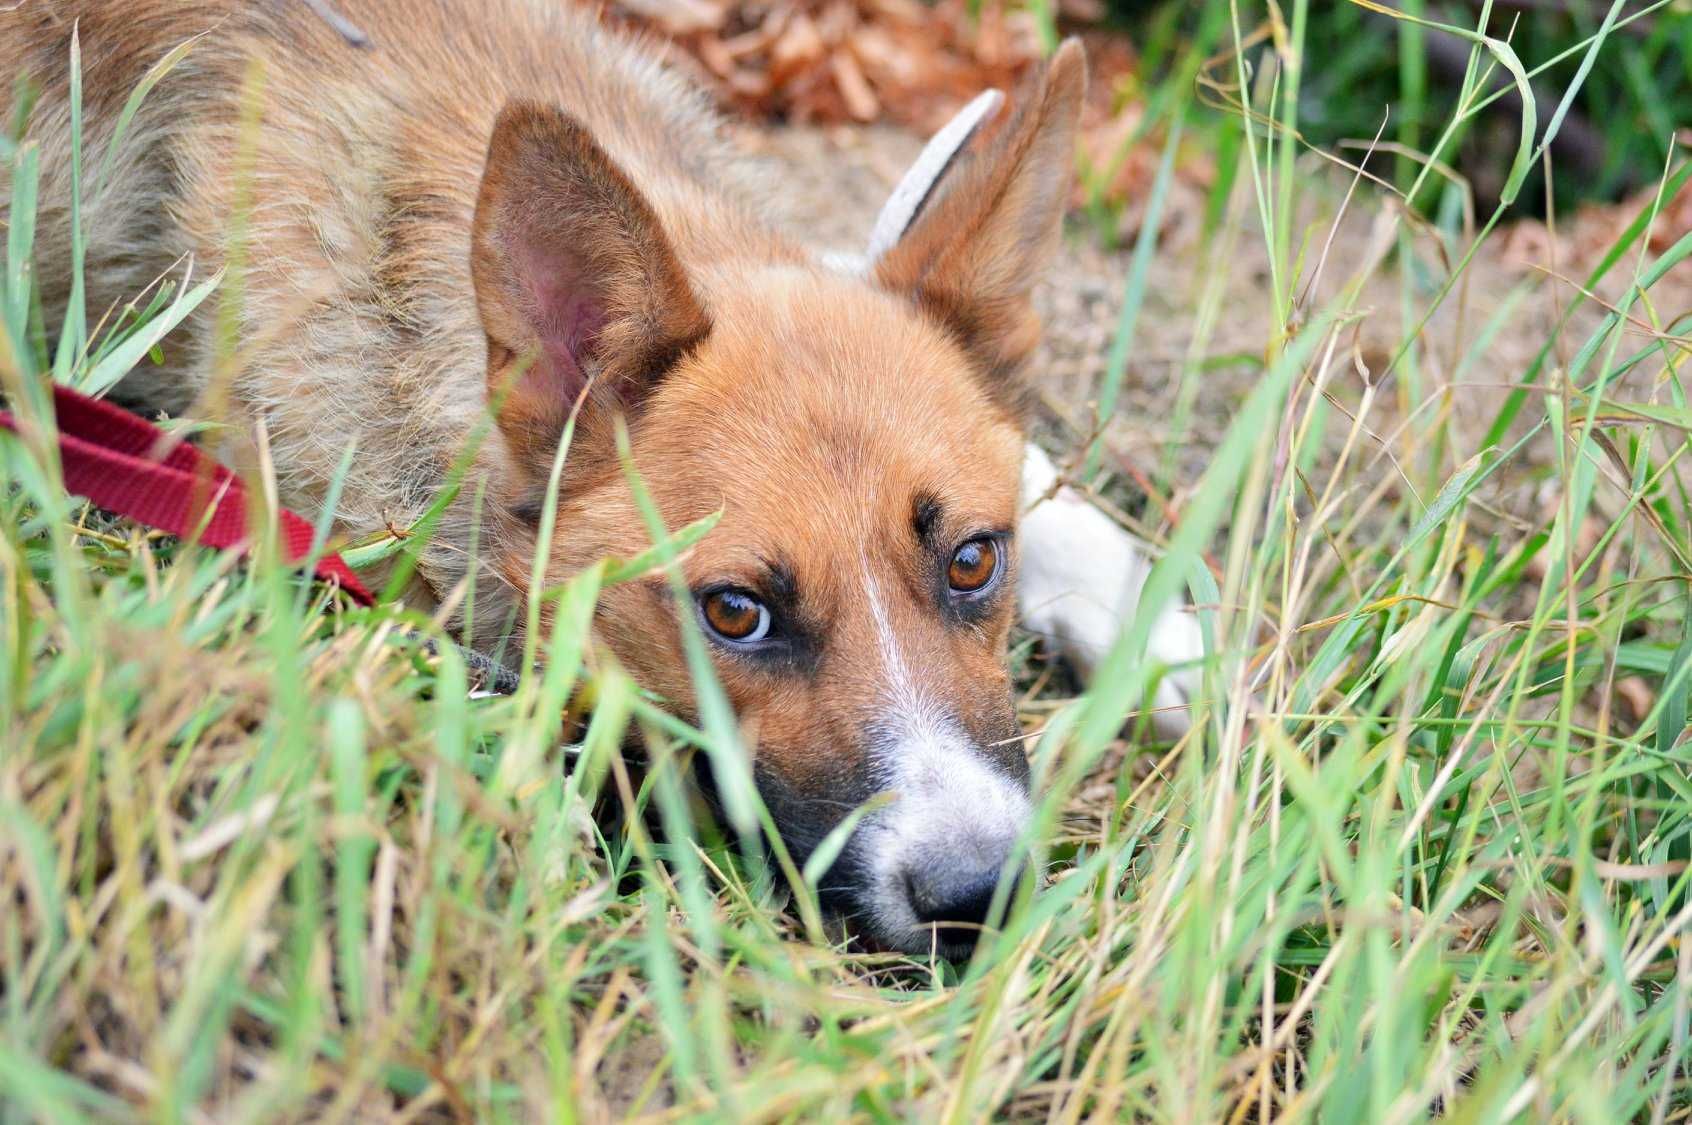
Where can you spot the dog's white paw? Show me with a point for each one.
(1081, 579)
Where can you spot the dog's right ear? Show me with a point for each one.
(578, 288)
(982, 233)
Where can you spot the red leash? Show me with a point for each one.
(127, 465)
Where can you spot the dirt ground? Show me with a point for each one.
(839, 175)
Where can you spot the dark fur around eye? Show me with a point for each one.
(788, 645)
(925, 514)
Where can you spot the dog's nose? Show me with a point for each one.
(954, 899)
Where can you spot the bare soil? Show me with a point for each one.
(1461, 362)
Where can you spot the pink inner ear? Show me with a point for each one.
(567, 319)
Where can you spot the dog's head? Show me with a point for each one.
(861, 435)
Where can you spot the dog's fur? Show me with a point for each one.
(503, 202)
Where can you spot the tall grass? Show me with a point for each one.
(1640, 88)
(262, 855)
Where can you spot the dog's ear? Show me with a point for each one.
(971, 255)
(576, 283)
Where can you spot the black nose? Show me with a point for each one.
(954, 899)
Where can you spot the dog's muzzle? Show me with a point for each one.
(930, 863)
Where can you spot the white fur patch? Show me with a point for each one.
(843, 262)
(907, 198)
(952, 805)
(1081, 579)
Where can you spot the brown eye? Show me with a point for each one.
(973, 566)
(735, 616)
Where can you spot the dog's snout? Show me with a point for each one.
(948, 899)
(955, 900)
(921, 873)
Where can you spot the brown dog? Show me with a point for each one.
(502, 202)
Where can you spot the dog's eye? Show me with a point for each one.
(736, 616)
(974, 566)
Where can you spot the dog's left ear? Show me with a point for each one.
(982, 237)
(578, 288)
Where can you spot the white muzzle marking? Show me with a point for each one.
(953, 807)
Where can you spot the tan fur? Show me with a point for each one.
(805, 436)
(972, 255)
(815, 409)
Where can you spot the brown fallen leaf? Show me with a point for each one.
(910, 62)
(1637, 696)
(680, 17)
(799, 47)
(854, 87)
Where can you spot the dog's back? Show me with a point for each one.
(404, 123)
(342, 183)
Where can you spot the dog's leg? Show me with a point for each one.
(1081, 578)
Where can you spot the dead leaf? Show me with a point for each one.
(679, 17)
(799, 47)
(1636, 695)
(854, 87)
